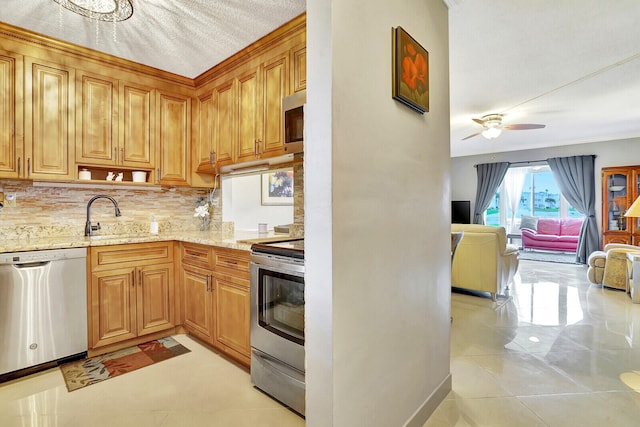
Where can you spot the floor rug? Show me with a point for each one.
(562, 257)
(82, 373)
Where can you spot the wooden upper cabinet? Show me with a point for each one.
(11, 117)
(275, 86)
(96, 120)
(173, 136)
(49, 120)
(224, 121)
(136, 123)
(249, 117)
(299, 75)
(204, 149)
(114, 123)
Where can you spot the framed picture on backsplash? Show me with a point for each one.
(277, 188)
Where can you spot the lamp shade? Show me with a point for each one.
(634, 209)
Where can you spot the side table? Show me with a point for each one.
(511, 236)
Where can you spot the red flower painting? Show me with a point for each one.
(412, 88)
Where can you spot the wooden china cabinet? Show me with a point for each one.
(620, 187)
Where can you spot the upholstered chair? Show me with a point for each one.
(609, 267)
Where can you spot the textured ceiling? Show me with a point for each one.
(573, 65)
(186, 37)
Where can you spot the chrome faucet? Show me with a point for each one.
(89, 229)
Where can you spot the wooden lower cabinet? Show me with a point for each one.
(136, 298)
(198, 302)
(231, 331)
(216, 298)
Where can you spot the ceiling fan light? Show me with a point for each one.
(491, 132)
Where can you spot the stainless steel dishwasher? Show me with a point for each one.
(43, 309)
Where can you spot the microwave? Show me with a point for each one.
(293, 117)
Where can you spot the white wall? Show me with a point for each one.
(242, 204)
(376, 219)
(608, 153)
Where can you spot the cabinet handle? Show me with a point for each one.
(28, 166)
(19, 167)
(212, 157)
(115, 155)
(133, 279)
(255, 147)
(140, 276)
(122, 155)
(211, 282)
(208, 283)
(158, 174)
(259, 142)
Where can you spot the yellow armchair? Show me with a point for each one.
(484, 261)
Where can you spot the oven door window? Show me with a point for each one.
(281, 304)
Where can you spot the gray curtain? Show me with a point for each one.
(576, 179)
(490, 176)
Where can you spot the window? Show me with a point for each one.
(536, 193)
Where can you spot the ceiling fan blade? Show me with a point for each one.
(479, 121)
(471, 136)
(523, 126)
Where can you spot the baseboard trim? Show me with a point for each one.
(428, 407)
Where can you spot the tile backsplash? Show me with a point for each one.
(54, 210)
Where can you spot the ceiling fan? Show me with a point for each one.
(492, 124)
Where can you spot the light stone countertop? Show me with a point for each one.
(235, 240)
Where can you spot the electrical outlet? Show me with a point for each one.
(10, 200)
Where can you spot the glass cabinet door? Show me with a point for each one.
(617, 191)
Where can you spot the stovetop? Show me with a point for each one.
(290, 248)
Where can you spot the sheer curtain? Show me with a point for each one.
(513, 183)
(575, 177)
(490, 176)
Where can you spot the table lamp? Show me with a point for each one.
(634, 209)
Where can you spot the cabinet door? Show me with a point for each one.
(49, 120)
(113, 307)
(232, 314)
(173, 127)
(135, 139)
(299, 77)
(617, 194)
(198, 305)
(275, 86)
(634, 223)
(11, 125)
(249, 132)
(224, 121)
(154, 298)
(204, 151)
(96, 117)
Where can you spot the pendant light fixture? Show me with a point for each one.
(100, 10)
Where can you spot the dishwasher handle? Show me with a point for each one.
(32, 264)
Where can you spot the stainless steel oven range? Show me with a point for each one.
(277, 321)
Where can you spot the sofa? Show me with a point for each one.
(552, 234)
(483, 260)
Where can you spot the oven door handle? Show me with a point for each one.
(270, 363)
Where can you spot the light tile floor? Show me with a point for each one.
(559, 352)
(195, 389)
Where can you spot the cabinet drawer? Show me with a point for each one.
(197, 255)
(133, 255)
(234, 262)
